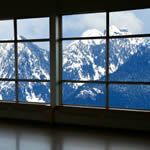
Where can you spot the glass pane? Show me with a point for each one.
(6, 30)
(130, 96)
(130, 59)
(36, 92)
(84, 59)
(34, 60)
(7, 91)
(130, 22)
(7, 60)
(34, 28)
(89, 94)
(85, 25)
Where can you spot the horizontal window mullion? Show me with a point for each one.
(34, 40)
(33, 80)
(107, 82)
(24, 80)
(82, 38)
(89, 81)
(129, 36)
(129, 82)
(7, 41)
(7, 79)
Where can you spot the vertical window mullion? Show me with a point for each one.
(16, 59)
(107, 60)
(60, 57)
(50, 54)
(55, 61)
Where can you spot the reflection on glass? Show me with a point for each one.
(7, 91)
(77, 142)
(36, 92)
(130, 59)
(34, 60)
(85, 25)
(89, 94)
(35, 139)
(130, 22)
(34, 28)
(84, 59)
(129, 96)
(6, 30)
(8, 135)
(7, 60)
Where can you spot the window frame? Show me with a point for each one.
(107, 81)
(55, 41)
(16, 79)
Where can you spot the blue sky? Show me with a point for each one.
(29, 28)
(137, 21)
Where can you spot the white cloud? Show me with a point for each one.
(34, 28)
(6, 30)
(128, 20)
(75, 25)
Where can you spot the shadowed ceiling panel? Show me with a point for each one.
(78, 6)
(29, 8)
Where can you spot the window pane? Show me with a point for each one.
(130, 22)
(89, 94)
(36, 92)
(7, 60)
(7, 91)
(34, 60)
(84, 59)
(130, 59)
(85, 25)
(130, 96)
(6, 30)
(35, 28)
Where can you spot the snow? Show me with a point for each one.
(112, 68)
(77, 57)
(123, 29)
(92, 33)
(113, 30)
(31, 97)
(1, 98)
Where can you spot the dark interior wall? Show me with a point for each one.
(29, 8)
(77, 6)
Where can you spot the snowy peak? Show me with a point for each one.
(20, 37)
(92, 33)
(124, 29)
(113, 30)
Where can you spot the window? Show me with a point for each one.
(129, 55)
(25, 60)
(106, 62)
(84, 59)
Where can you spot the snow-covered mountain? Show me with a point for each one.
(33, 63)
(85, 60)
(82, 60)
